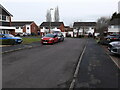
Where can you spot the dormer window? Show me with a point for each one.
(7, 18)
(17, 27)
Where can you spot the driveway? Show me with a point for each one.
(47, 66)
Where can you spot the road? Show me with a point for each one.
(47, 66)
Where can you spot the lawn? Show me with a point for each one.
(27, 40)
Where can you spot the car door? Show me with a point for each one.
(55, 38)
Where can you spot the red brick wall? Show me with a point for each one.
(24, 28)
(62, 28)
(10, 20)
(34, 28)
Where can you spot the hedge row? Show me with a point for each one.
(7, 42)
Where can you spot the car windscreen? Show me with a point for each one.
(49, 35)
(56, 32)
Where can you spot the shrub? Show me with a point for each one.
(8, 42)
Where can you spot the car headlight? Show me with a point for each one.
(50, 39)
(41, 38)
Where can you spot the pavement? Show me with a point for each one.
(97, 70)
(11, 48)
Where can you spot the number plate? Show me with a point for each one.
(44, 42)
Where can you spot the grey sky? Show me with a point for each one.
(70, 10)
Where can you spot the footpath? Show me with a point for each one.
(97, 70)
(17, 47)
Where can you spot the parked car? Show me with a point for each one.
(59, 34)
(114, 47)
(60, 37)
(18, 40)
(114, 37)
(49, 39)
(22, 34)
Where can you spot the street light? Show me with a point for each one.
(50, 20)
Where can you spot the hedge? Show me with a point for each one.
(7, 42)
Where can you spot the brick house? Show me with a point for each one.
(114, 26)
(69, 31)
(5, 22)
(29, 27)
(83, 28)
(47, 27)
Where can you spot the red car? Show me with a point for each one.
(49, 39)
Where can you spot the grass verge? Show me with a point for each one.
(27, 40)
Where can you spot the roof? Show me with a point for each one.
(20, 23)
(78, 24)
(115, 21)
(2, 8)
(55, 24)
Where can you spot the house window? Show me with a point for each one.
(17, 27)
(3, 17)
(115, 26)
(27, 27)
(46, 28)
(7, 18)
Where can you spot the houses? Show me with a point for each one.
(69, 31)
(47, 27)
(5, 22)
(29, 27)
(13, 27)
(83, 28)
(114, 26)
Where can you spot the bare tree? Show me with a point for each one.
(56, 14)
(48, 16)
(102, 25)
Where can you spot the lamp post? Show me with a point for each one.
(50, 20)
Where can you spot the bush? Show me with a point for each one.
(8, 42)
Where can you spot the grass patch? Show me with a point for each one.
(27, 40)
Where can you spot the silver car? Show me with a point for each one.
(114, 47)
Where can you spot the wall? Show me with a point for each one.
(62, 28)
(113, 29)
(27, 27)
(19, 30)
(34, 28)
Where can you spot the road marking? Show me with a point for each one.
(76, 71)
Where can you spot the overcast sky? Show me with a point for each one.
(69, 10)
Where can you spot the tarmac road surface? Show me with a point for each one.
(47, 66)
